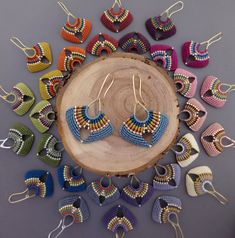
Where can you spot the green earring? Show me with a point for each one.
(48, 151)
(21, 98)
(42, 116)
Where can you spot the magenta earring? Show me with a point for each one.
(195, 54)
(214, 92)
(165, 56)
(162, 27)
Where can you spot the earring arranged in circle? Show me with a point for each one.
(135, 130)
(195, 54)
(39, 56)
(97, 127)
(199, 181)
(21, 98)
(116, 21)
(78, 31)
(214, 92)
(162, 27)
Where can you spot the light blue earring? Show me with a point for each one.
(98, 127)
(133, 130)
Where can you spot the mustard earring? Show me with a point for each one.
(39, 56)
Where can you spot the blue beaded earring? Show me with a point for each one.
(134, 130)
(79, 119)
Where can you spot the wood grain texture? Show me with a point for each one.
(113, 155)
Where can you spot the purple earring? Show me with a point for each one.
(195, 54)
(137, 193)
(165, 56)
(134, 41)
(119, 220)
(167, 177)
(162, 27)
(166, 210)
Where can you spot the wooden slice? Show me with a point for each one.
(113, 155)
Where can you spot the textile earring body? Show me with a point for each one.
(21, 98)
(162, 27)
(40, 59)
(76, 32)
(97, 127)
(116, 21)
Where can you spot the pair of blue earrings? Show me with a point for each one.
(132, 130)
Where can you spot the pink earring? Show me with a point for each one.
(214, 92)
(215, 140)
(195, 54)
(194, 114)
(186, 82)
(165, 56)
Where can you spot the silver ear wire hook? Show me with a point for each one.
(18, 43)
(212, 40)
(66, 10)
(167, 11)
(61, 226)
(137, 102)
(117, 2)
(177, 227)
(98, 98)
(231, 87)
(231, 144)
(2, 144)
(160, 166)
(27, 196)
(118, 236)
(223, 200)
(109, 179)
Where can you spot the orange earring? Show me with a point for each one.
(78, 31)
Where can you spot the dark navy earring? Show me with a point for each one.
(97, 127)
(71, 179)
(102, 193)
(162, 27)
(134, 130)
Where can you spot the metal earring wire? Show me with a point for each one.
(27, 196)
(99, 98)
(6, 94)
(137, 102)
(61, 226)
(66, 10)
(212, 40)
(177, 227)
(2, 144)
(231, 87)
(222, 199)
(231, 144)
(117, 2)
(18, 43)
(167, 11)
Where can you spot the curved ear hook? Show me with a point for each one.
(176, 226)
(109, 179)
(117, 2)
(5, 95)
(223, 200)
(81, 169)
(61, 226)
(134, 177)
(18, 43)
(98, 98)
(160, 166)
(137, 102)
(231, 87)
(231, 144)
(212, 40)
(27, 196)
(120, 236)
(66, 10)
(2, 144)
(167, 11)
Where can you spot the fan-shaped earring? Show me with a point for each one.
(98, 127)
(134, 130)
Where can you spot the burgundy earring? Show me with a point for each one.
(116, 21)
(162, 27)
(196, 54)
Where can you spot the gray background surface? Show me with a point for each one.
(34, 21)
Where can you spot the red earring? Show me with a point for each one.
(116, 21)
